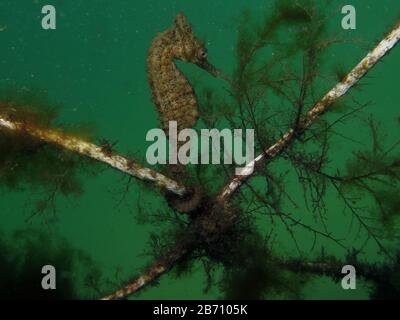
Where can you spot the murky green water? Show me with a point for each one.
(94, 65)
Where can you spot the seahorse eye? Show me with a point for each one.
(202, 53)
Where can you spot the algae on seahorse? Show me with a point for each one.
(172, 92)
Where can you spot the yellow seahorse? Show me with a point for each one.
(172, 92)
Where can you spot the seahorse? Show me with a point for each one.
(172, 92)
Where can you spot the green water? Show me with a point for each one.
(94, 65)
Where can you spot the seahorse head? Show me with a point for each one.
(187, 46)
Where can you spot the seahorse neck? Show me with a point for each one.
(162, 69)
